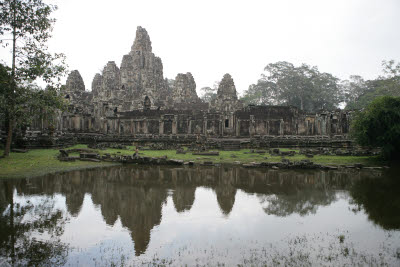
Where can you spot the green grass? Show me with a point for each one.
(226, 157)
(40, 162)
(43, 161)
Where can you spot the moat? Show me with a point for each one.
(153, 215)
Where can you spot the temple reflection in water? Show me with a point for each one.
(136, 194)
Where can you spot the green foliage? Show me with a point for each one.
(304, 87)
(208, 93)
(28, 101)
(29, 25)
(40, 162)
(25, 26)
(379, 125)
(20, 221)
(380, 198)
(359, 93)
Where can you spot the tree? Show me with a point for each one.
(26, 26)
(391, 69)
(261, 93)
(379, 199)
(378, 125)
(352, 89)
(360, 93)
(304, 87)
(209, 94)
(19, 222)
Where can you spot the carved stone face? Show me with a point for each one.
(147, 103)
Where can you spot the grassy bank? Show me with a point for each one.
(42, 161)
(244, 156)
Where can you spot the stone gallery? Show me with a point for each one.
(136, 100)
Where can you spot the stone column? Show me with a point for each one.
(238, 128)
(323, 124)
(145, 126)
(117, 126)
(251, 126)
(161, 125)
(205, 126)
(190, 126)
(175, 125)
(61, 123)
(281, 127)
(135, 128)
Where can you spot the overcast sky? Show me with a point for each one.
(211, 38)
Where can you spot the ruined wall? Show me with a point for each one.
(267, 120)
(136, 99)
(226, 100)
(142, 73)
(184, 89)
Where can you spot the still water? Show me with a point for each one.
(130, 216)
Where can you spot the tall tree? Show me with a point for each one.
(208, 93)
(26, 26)
(360, 93)
(303, 86)
(378, 125)
(19, 222)
(353, 88)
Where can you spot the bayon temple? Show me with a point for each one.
(136, 100)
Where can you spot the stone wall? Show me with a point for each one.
(136, 99)
(246, 122)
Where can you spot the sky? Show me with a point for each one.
(211, 38)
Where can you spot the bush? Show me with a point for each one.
(378, 125)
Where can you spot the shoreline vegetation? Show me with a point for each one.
(38, 162)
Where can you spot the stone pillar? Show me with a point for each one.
(161, 125)
(205, 126)
(281, 127)
(117, 126)
(251, 126)
(329, 124)
(61, 123)
(145, 126)
(238, 128)
(134, 127)
(175, 125)
(190, 126)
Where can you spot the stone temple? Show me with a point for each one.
(135, 100)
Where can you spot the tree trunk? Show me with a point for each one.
(10, 198)
(13, 85)
(301, 103)
(9, 137)
(12, 228)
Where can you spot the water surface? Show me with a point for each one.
(130, 215)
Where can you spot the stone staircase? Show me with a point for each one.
(230, 145)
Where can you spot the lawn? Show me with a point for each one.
(244, 156)
(39, 162)
(43, 161)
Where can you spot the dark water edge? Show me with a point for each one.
(153, 215)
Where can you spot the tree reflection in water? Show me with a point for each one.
(380, 198)
(21, 228)
(136, 196)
